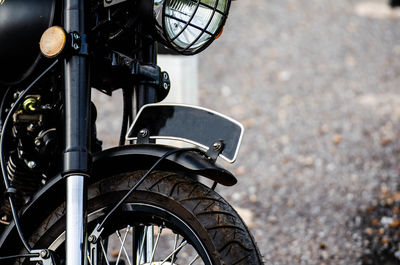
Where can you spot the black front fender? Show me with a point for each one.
(143, 156)
(110, 162)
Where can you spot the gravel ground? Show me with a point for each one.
(315, 84)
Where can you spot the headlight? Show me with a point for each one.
(189, 26)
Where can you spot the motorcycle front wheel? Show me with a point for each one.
(171, 219)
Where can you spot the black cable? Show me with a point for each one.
(125, 116)
(20, 256)
(9, 190)
(3, 101)
(130, 107)
(171, 152)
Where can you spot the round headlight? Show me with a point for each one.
(189, 26)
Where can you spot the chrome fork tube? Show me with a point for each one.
(75, 233)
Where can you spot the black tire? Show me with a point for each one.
(162, 199)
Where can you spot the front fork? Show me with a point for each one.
(77, 125)
(76, 166)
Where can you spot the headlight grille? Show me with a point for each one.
(189, 26)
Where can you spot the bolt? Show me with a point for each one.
(144, 132)
(4, 218)
(31, 164)
(165, 76)
(76, 46)
(92, 239)
(76, 36)
(165, 85)
(217, 146)
(38, 142)
(44, 253)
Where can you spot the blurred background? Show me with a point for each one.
(316, 83)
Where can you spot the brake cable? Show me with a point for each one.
(19, 256)
(10, 190)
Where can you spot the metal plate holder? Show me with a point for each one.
(192, 124)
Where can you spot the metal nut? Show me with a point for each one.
(44, 253)
(37, 142)
(92, 239)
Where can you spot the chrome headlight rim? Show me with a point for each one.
(194, 46)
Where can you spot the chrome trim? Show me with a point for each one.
(188, 140)
(76, 219)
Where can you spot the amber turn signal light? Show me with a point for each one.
(220, 33)
(53, 41)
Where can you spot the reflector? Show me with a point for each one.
(52, 41)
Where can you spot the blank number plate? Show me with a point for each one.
(192, 124)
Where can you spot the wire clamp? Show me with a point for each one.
(10, 190)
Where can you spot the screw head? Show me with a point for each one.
(75, 46)
(165, 85)
(217, 146)
(31, 164)
(76, 36)
(166, 77)
(144, 132)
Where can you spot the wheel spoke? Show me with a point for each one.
(104, 252)
(195, 258)
(175, 245)
(175, 251)
(88, 258)
(122, 244)
(142, 246)
(123, 247)
(155, 245)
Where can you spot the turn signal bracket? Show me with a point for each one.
(79, 43)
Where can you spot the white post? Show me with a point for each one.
(183, 73)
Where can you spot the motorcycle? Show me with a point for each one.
(68, 201)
